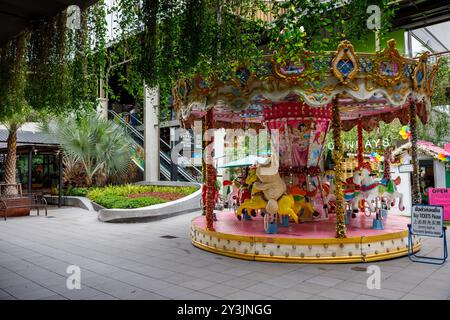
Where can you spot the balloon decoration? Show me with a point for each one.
(405, 132)
(374, 156)
(443, 157)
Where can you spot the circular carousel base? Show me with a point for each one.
(308, 242)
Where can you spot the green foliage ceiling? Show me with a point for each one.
(160, 41)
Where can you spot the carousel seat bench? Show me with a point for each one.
(30, 201)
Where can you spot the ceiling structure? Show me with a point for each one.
(16, 15)
(413, 14)
(435, 38)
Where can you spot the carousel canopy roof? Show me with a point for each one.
(427, 148)
(375, 87)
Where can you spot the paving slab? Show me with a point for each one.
(132, 261)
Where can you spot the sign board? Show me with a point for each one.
(404, 168)
(440, 197)
(427, 220)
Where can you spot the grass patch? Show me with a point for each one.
(128, 196)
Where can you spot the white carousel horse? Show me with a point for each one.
(233, 197)
(372, 190)
(389, 193)
(368, 188)
(350, 193)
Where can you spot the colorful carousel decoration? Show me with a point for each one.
(296, 213)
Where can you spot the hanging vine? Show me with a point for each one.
(163, 41)
(13, 77)
(48, 82)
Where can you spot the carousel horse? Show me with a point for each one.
(329, 200)
(389, 193)
(246, 191)
(351, 192)
(274, 189)
(371, 190)
(255, 200)
(388, 186)
(269, 185)
(368, 188)
(302, 207)
(233, 196)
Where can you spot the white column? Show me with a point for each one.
(102, 107)
(405, 188)
(439, 174)
(151, 133)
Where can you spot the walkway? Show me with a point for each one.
(155, 260)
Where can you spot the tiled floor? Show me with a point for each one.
(132, 261)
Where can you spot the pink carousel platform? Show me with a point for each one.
(308, 242)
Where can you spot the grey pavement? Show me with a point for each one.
(133, 261)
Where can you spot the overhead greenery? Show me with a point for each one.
(437, 130)
(13, 77)
(50, 68)
(319, 26)
(163, 41)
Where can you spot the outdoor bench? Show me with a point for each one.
(31, 201)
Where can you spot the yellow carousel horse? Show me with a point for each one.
(267, 184)
(256, 202)
(302, 208)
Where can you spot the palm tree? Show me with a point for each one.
(101, 146)
(13, 124)
(11, 159)
(14, 108)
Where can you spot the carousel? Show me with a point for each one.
(288, 209)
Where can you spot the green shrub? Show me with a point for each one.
(77, 191)
(117, 196)
(121, 202)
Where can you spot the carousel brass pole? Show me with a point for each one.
(416, 198)
(387, 164)
(210, 177)
(337, 157)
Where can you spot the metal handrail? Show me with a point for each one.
(165, 172)
(181, 170)
(127, 125)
